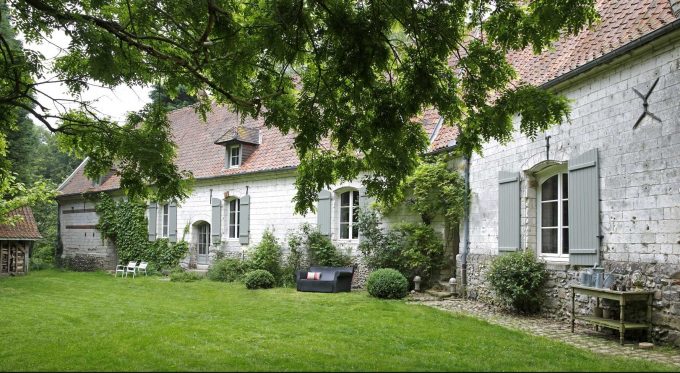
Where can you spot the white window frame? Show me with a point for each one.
(234, 161)
(165, 220)
(237, 218)
(560, 171)
(351, 221)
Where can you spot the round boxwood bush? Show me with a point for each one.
(517, 279)
(259, 279)
(387, 283)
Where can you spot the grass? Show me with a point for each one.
(59, 321)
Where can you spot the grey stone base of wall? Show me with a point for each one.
(86, 262)
(557, 301)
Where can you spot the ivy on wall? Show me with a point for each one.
(123, 222)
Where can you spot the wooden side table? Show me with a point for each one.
(623, 297)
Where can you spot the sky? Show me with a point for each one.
(112, 103)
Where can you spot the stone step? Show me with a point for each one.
(439, 294)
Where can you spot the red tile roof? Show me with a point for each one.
(24, 229)
(622, 21)
(198, 153)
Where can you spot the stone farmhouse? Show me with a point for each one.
(245, 175)
(602, 188)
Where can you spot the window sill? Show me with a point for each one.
(555, 263)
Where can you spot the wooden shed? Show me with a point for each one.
(16, 241)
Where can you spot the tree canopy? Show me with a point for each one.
(354, 72)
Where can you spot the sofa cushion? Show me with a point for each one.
(313, 275)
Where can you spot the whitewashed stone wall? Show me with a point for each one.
(639, 169)
(78, 235)
(271, 207)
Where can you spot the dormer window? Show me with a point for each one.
(239, 143)
(234, 156)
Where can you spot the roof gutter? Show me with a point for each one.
(606, 58)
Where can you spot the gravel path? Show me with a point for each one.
(584, 336)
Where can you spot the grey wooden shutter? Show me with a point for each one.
(363, 204)
(323, 213)
(508, 211)
(151, 209)
(244, 220)
(216, 226)
(584, 209)
(172, 222)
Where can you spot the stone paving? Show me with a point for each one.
(584, 336)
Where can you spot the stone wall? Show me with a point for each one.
(557, 301)
(78, 235)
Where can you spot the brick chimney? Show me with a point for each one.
(675, 6)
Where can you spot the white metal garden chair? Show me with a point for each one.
(142, 267)
(120, 268)
(131, 267)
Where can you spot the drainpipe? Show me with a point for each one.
(466, 230)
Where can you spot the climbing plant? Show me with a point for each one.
(123, 222)
(433, 189)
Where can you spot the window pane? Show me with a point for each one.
(565, 241)
(355, 231)
(235, 155)
(565, 185)
(549, 241)
(344, 199)
(565, 213)
(355, 214)
(548, 214)
(344, 231)
(232, 231)
(344, 214)
(355, 198)
(549, 189)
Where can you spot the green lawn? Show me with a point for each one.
(59, 321)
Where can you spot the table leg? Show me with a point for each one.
(622, 331)
(597, 304)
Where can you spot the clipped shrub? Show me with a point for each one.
(180, 275)
(227, 270)
(517, 280)
(259, 279)
(387, 283)
(267, 255)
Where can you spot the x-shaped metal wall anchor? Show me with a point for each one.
(645, 104)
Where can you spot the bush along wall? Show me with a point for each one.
(308, 247)
(412, 248)
(517, 280)
(123, 222)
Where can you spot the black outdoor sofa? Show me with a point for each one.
(331, 280)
